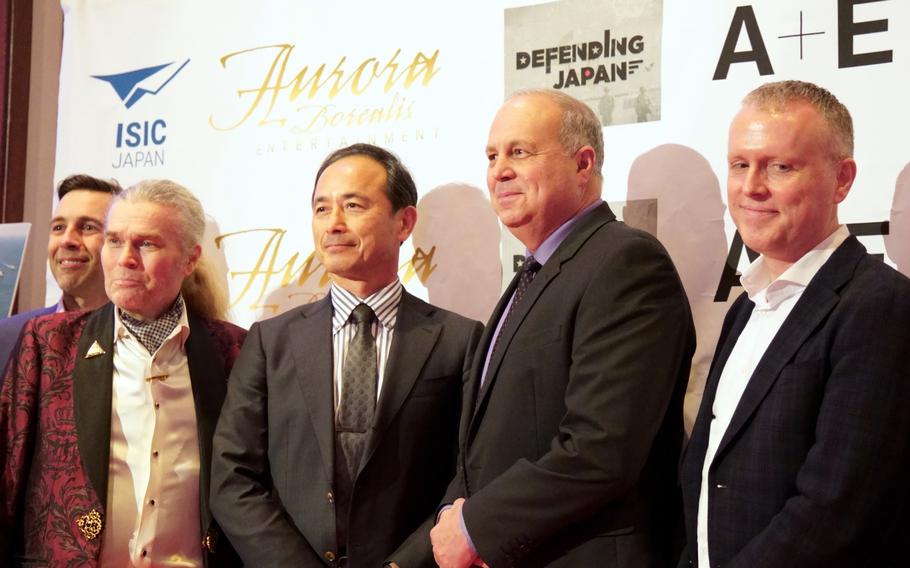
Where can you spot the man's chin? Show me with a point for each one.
(70, 283)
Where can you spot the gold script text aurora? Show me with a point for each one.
(278, 88)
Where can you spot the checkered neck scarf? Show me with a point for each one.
(151, 334)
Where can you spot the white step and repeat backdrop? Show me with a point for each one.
(241, 101)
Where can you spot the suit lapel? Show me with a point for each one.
(469, 404)
(519, 312)
(209, 383)
(566, 251)
(817, 301)
(311, 344)
(734, 323)
(415, 336)
(92, 391)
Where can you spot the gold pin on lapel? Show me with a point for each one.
(210, 541)
(156, 378)
(90, 524)
(94, 350)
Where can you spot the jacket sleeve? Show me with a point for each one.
(416, 551)
(18, 425)
(242, 501)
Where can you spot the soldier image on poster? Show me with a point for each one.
(642, 105)
(605, 106)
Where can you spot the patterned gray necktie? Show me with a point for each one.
(528, 271)
(358, 389)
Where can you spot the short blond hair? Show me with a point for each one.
(775, 96)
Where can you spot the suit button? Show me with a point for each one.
(721, 486)
(329, 555)
(330, 496)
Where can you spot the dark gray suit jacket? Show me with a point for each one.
(273, 472)
(569, 451)
(11, 328)
(813, 468)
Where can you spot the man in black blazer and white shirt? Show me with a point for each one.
(572, 425)
(801, 449)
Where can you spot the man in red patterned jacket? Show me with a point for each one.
(106, 418)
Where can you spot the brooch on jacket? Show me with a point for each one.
(90, 524)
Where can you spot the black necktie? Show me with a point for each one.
(358, 389)
(528, 271)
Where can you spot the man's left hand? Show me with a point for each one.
(450, 546)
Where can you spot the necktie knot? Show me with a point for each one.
(362, 314)
(531, 266)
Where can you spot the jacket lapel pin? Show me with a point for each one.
(94, 351)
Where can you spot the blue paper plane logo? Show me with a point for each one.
(133, 85)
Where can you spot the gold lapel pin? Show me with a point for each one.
(90, 524)
(210, 541)
(94, 351)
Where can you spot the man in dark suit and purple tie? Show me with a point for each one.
(801, 449)
(572, 425)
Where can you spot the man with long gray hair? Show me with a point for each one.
(106, 418)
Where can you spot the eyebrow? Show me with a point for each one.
(512, 144)
(83, 218)
(348, 195)
(135, 236)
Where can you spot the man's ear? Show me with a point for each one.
(407, 219)
(846, 173)
(585, 158)
(193, 260)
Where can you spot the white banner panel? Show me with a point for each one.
(241, 102)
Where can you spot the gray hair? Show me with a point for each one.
(777, 95)
(166, 192)
(578, 126)
(201, 291)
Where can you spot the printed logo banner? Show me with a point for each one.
(241, 104)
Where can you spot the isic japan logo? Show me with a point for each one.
(140, 143)
(131, 86)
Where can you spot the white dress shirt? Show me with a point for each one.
(153, 488)
(774, 300)
(384, 304)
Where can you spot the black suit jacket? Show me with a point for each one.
(569, 450)
(812, 470)
(274, 447)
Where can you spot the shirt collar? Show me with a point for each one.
(768, 293)
(551, 243)
(183, 327)
(384, 304)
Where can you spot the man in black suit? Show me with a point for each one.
(301, 477)
(800, 452)
(73, 253)
(573, 414)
